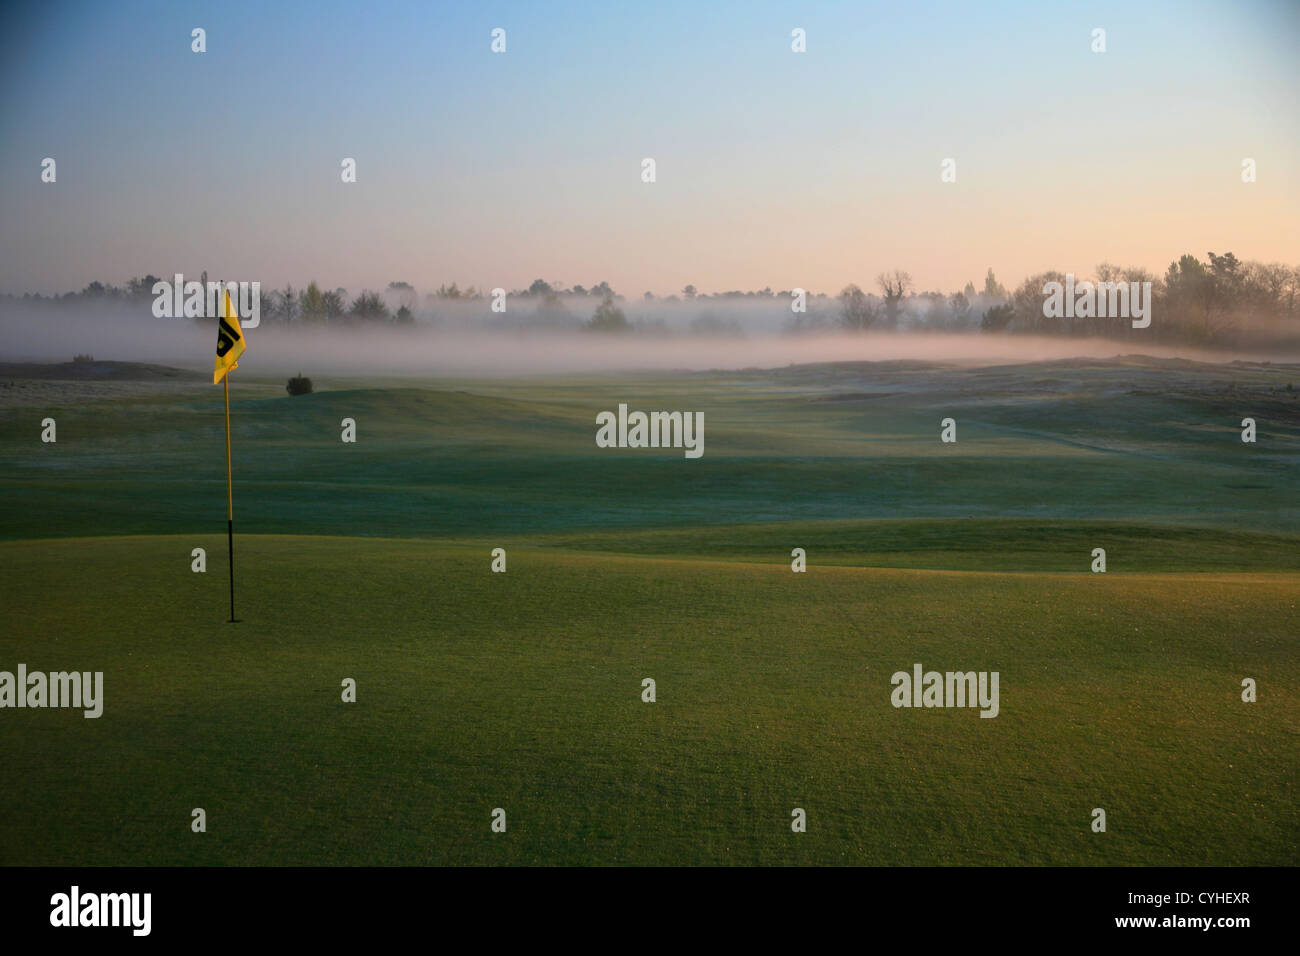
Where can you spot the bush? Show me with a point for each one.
(298, 385)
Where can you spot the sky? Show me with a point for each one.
(773, 168)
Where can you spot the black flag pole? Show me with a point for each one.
(230, 504)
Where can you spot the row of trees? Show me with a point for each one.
(314, 305)
(1220, 300)
(894, 306)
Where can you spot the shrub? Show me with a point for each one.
(298, 385)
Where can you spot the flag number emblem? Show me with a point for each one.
(226, 338)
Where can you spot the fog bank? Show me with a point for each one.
(48, 335)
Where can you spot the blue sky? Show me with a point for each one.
(774, 168)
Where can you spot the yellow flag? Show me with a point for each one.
(230, 343)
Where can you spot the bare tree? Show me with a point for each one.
(893, 286)
(288, 304)
(857, 311)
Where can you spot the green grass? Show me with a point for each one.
(969, 544)
(480, 690)
(522, 691)
(442, 460)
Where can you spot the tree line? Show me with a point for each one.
(1216, 301)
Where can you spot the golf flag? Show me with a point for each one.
(230, 343)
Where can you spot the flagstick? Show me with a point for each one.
(230, 504)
